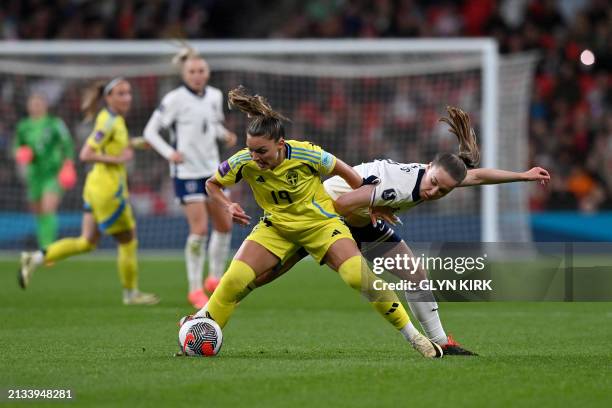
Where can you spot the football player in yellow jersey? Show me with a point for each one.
(105, 193)
(285, 177)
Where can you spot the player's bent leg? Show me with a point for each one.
(127, 265)
(219, 246)
(195, 250)
(252, 258)
(344, 257)
(59, 250)
(47, 220)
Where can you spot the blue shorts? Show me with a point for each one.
(190, 190)
(375, 241)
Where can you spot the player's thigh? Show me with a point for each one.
(221, 218)
(265, 247)
(197, 217)
(256, 256)
(89, 228)
(340, 251)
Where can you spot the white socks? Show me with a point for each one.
(409, 331)
(218, 250)
(194, 258)
(425, 308)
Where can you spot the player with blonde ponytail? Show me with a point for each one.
(192, 115)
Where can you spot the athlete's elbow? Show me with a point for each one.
(342, 206)
(211, 186)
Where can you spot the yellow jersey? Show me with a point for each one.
(109, 136)
(291, 194)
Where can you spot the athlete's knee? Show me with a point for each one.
(238, 276)
(88, 244)
(351, 272)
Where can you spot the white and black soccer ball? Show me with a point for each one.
(200, 337)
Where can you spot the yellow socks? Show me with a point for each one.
(127, 262)
(231, 288)
(356, 273)
(67, 247)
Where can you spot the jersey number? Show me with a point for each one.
(282, 195)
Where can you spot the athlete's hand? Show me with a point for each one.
(67, 176)
(383, 213)
(230, 139)
(238, 214)
(126, 155)
(24, 155)
(139, 142)
(537, 174)
(176, 157)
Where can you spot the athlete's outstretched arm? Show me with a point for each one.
(88, 154)
(348, 173)
(476, 177)
(213, 188)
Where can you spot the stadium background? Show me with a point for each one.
(306, 340)
(569, 125)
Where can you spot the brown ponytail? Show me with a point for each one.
(460, 125)
(265, 121)
(456, 165)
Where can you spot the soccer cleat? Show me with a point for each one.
(426, 347)
(197, 298)
(210, 284)
(141, 298)
(26, 270)
(452, 348)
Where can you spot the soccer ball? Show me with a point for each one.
(200, 336)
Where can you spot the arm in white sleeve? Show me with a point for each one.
(151, 135)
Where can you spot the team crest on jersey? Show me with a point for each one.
(292, 177)
(99, 136)
(389, 194)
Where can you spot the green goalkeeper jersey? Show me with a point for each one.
(50, 141)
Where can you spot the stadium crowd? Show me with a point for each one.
(571, 104)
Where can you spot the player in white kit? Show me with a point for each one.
(193, 116)
(400, 187)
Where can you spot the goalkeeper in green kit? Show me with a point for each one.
(44, 153)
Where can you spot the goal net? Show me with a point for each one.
(360, 100)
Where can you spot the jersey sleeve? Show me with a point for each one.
(229, 172)
(218, 117)
(166, 111)
(162, 118)
(102, 130)
(313, 155)
(65, 139)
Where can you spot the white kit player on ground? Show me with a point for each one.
(400, 187)
(193, 116)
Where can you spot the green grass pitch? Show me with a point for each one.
(305, 340)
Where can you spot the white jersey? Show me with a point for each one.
(398, 187)
(195, 124)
